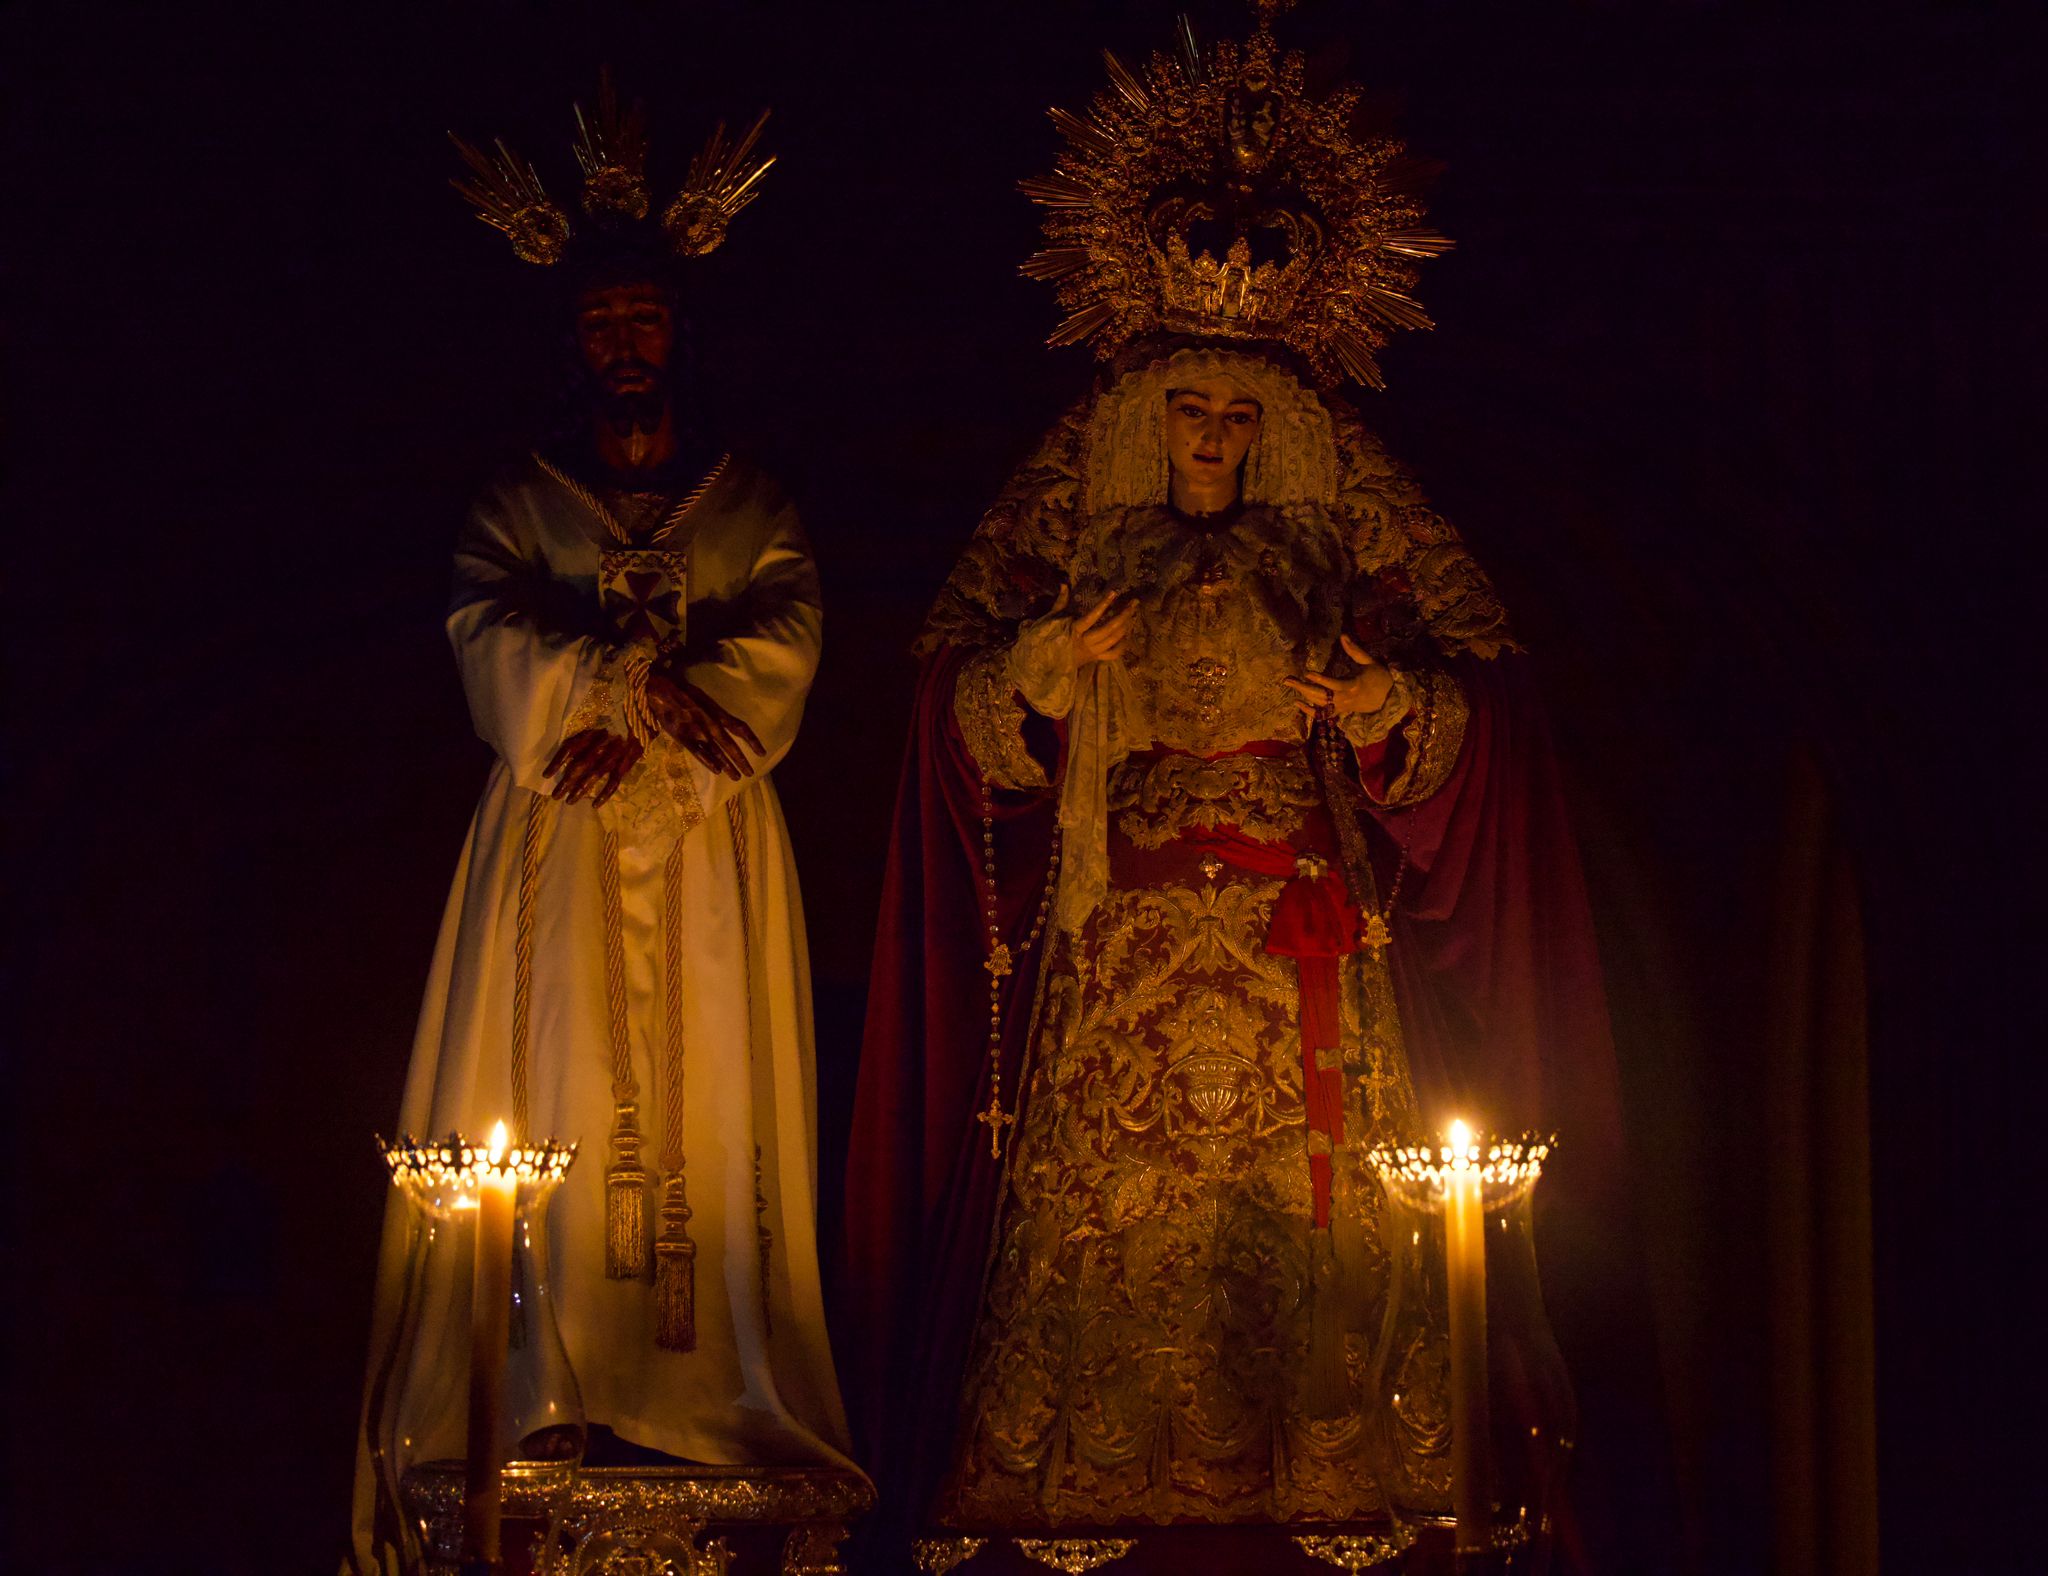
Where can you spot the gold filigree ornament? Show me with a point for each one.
(1074, 1555)
(1210, 193)
(1354, 1552)
(937, 1556)
(611, 149)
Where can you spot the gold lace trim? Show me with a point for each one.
(1264, 796)
(1393, 529)
(1023, 548)
(657, 800)
(991, 719)
(1367, 728)
(1434, 731)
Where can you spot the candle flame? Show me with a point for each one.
(499, 1139)
(1461, 1137)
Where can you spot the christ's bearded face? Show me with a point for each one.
(626, 335)
(1209, 429)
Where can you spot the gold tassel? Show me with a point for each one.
(675, 1273)
(1351, 1246)
(1328, 1384)
(625, 1203)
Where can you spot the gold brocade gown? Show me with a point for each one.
(1163, 1338)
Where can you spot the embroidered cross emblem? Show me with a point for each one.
(647, 607)
(643, 592)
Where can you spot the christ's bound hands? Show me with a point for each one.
(591, 761)
(1364, 692)
(701, 726)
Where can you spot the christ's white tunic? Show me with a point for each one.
(537, 665)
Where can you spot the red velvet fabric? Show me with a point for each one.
(1496, 968)
(921, 1184)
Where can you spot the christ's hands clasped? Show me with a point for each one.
(592, 761)
(701, 726)
(1363, 692)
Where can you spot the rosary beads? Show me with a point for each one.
(1001, 963)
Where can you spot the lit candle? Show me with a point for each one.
(489, 1325)
(1465, 1258)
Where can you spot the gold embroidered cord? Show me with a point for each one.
(537, 808)
(675, 1254)
(736, 824)
(625, 1183)
(618, 532)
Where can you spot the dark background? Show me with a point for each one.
(1735, 395)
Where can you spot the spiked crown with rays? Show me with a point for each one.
(1209, 193)
(611, 149)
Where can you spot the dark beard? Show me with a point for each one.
(639, 412)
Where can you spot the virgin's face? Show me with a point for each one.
(1209, 427)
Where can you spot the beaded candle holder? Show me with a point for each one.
(475, 1398)
(1477, 1414)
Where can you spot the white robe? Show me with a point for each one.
(754, 1390)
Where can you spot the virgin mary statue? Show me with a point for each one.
(1228, 845)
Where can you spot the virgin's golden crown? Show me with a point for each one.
(1209, 193)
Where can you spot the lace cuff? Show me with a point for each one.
(991, 719)
(657, 800)
(1433, 733)
(1364, 728)
(1041, 664)
(603, 704)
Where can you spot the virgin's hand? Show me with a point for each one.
(1363, 692)
(592, 761)
(1099, 633)
(701, 726)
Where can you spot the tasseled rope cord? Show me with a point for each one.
(736, 823)
(625, 1234)
(675, 1254)
(537, 808)
(626, 1180)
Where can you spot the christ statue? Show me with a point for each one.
(622, 962)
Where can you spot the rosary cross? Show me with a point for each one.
(995, 1118)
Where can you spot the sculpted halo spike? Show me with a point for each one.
(721, 182)
(611, 149)
(508, 196)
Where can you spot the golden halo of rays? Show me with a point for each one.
(1161, 127)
